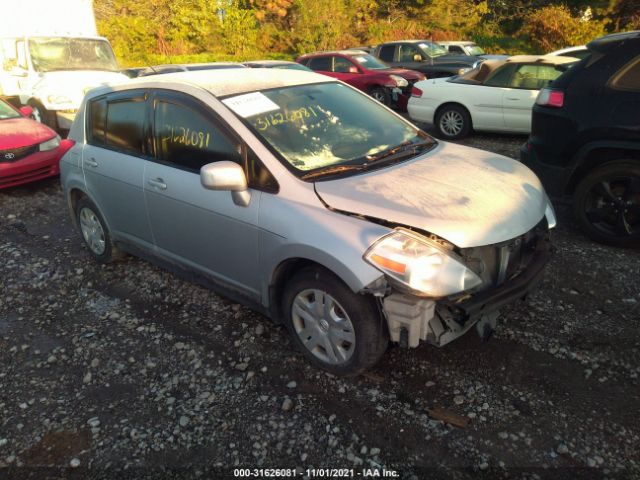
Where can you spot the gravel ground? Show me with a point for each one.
(126, 370)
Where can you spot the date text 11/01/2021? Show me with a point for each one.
(315, 473)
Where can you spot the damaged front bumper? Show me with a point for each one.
(411, 319)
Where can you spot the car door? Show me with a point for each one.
(521, 92)
(323, 65)
(487, 99)
(113, 161)
(201, 229)
(347, 71)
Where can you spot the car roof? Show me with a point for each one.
(350, 52)
(394, 42)
(221, 82)
(562, 51)
(483, 71)
(547, 59)
(268, 62)
(457, 42)
(607, 41)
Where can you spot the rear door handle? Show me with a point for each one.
(158, 183)
(91, 162)
(512, 98)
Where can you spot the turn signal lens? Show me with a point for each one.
(550, 98)
(416, 92)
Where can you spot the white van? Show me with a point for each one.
(50, 61)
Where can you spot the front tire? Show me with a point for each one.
(453, 122)
(95, 232)
(337, 330)
(42, 115)
(606, 204)
(381, 94)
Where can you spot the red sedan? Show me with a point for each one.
(391, 86)
(28, 150)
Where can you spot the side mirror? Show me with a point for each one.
(26, 111)
(417, 57)
(226, 175)
(353, 69)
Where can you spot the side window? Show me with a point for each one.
(258, 176)
(456, 50)
(187, 139)
(97, 122)
(407, 52)
(386, 53)
(501, 77)
(125, 125)
(341, 65)
(629, 77)
(320, 63)
(533, 77)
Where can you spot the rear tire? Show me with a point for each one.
(606, 204)
(337, 330)
(95, 233)
(42, 115)
(453, 122)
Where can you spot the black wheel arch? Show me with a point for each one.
(597, 154)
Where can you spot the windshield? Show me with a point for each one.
(475, 50)
(60, 53)
(7, 112)
(433, 49)
(370, 62)
(324, 125)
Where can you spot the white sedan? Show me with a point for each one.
(496, 96)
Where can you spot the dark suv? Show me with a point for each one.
(426, 57)
(585, 139)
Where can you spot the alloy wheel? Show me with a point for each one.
(451, 123)
(613, 206)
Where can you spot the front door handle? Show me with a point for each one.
(158, 183)
(91, 162)
(512, 98)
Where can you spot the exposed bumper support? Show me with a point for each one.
(411, 319)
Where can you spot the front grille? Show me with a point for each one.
(15, 154)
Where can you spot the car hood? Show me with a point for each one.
(466, 196)
(75, 83)
(22, 132)
(405, 73)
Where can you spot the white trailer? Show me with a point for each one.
(51, 55)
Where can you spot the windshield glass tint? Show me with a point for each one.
(315, 126)
(7, 112)
(370, 62)
(475, 50)
(433, 49)
(49, 54)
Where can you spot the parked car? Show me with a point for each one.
(276, 64)
(585, 139)
(470, 49)
(29, 150)
(575, 52)
(390, 86)
(426, 57)
(310, 202)
(186, 67)
(497, 96)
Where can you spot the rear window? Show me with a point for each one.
(629, 77)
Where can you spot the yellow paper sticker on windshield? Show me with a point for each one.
(250, 104)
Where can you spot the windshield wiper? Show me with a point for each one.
(332, 170)
(405, 149)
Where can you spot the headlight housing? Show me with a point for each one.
(50, 144)
(400, 82)
(464, 70)
(420, 264)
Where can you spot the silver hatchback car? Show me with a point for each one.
(310, 202)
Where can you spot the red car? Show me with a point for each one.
(391, 86)
(29, 150)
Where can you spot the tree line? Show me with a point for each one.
(146, 32)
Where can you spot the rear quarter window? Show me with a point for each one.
(628, 78)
